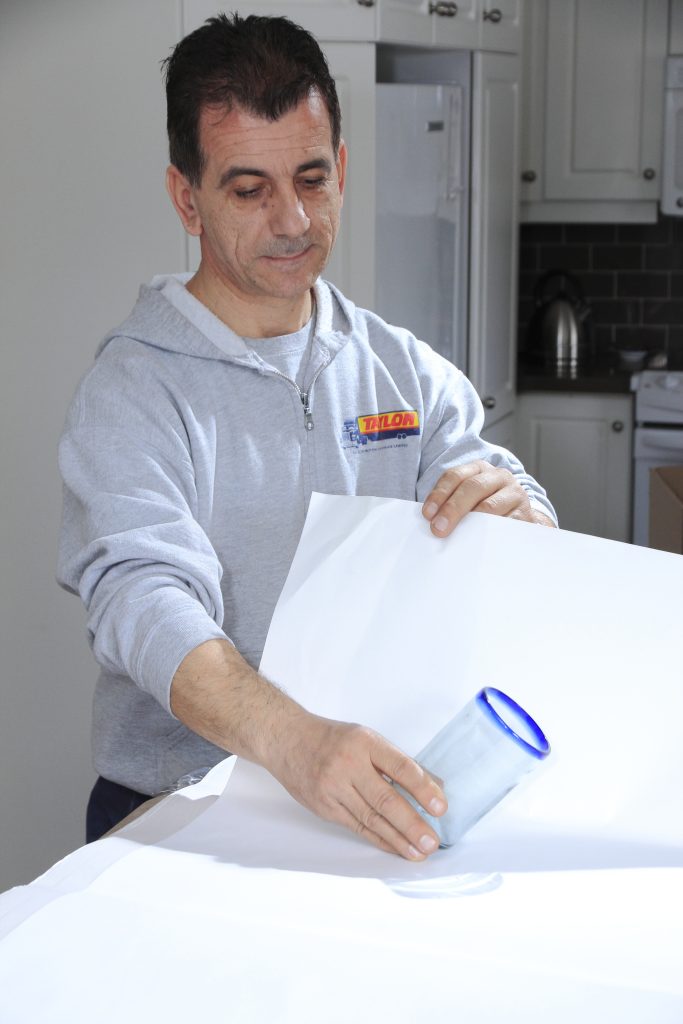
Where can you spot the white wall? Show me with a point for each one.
(84, 219)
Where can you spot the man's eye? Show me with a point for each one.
(314, 182)
(247, 193)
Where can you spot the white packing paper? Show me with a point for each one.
(229, 900)
(397, 629)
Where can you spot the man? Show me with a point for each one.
(210, 415)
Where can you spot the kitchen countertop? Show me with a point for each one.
(593, 379)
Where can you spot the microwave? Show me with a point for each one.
(672, 170)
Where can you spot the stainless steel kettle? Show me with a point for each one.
(559, 331)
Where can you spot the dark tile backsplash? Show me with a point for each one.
(631, 274)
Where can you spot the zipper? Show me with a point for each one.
(305, 396)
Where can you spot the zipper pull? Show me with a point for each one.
(308, 415)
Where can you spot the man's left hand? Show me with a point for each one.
(477, 487)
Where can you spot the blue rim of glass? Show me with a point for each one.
(543, 747)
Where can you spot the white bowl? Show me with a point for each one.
(632, 359)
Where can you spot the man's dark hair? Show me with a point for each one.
(267, 66)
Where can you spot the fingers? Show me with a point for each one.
(386, 811)
(373, 808)
(474, 487)
(344, 773)
(407, 773)
(414, 840)
(508, 501)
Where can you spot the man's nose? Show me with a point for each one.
(289, 216)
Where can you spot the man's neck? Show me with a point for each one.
(269, 319)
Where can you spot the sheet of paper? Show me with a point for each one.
(194, 937)
(398, 629)
(565, 903)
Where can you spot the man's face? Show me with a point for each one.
(268, 207)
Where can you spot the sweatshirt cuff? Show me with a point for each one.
(165, 647)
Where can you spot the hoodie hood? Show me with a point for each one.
(157, 322)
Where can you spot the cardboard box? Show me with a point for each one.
(666, 509)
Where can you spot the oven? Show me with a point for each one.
(657, 439)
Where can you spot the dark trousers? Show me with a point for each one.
(109, 804)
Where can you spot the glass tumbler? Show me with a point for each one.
(478, 757)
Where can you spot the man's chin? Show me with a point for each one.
(288, 284)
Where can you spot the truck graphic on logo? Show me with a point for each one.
(381, 426)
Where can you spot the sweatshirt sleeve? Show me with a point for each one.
(452, 434)
(131, 543)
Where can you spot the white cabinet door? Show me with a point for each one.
(579, 447)
(327, 19)
(480, 25)
(462, 31)
(440, 23)
(533, 99)
(352, 266)
(463, 25)
(676, 28)
(405, 21)
(502, 433)
(500, 24)
(604, 75)
(493, 231)
(447, 24)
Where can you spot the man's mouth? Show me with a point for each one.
(288, 257)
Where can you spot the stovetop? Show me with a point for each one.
(659, 396)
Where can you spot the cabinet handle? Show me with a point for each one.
(444, 8)
(366, 3)
(649, 173)
(529, 176)
(493, 16)
(489, 402)
(617, 426)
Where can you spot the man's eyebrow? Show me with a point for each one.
(320, 163)
(237, 172)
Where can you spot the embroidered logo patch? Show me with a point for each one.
(381, 426)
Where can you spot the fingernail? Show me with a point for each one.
(431, 509)
(437, 806)
(415, 854)
(427, 844)
(440, 523)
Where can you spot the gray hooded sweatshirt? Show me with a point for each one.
(188, 463)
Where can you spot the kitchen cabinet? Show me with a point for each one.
(352, 265)
(418, 23)
(579, 447)
(466, 25)
(504, 32)
(494, 231)
(676, 28)
(592, 116)
(339, 20)
(502, 432)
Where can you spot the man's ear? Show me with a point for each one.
(342, 158)
(182, 197)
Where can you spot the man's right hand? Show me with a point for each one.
(343, 773)
(340, 771)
